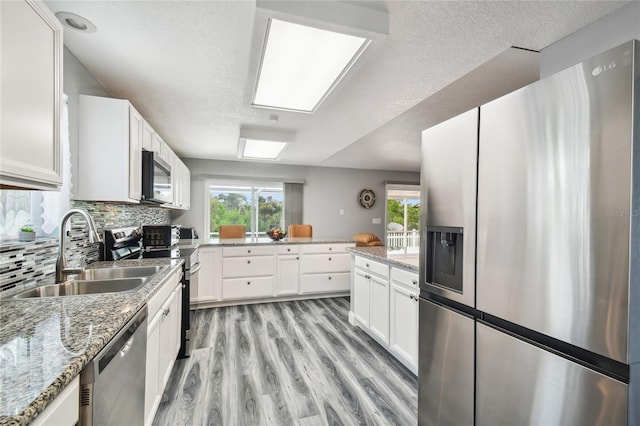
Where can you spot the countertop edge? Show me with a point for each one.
(38, 405)
(376, 253)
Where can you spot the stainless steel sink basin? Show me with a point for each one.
(118, 272)
(78, 287)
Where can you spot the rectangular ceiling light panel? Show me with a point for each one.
(301, 65)
(262, 150)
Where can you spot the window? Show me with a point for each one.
(257, 206)
(403, 218)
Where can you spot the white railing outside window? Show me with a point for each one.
(403, 239)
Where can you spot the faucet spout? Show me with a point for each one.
(62, 268)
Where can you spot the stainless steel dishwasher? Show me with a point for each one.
(112, 384)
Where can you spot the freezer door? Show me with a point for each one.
(521, 384)
(448, 190)
(445, 367)
(554, 191)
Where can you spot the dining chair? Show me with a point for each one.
(232, 231)
(300, 231)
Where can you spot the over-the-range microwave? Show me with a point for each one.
(156, 179)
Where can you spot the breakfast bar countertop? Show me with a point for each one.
(267, 240)
(45, 342)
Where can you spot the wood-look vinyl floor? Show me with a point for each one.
(286, 363)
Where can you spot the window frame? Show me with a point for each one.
(238, 182)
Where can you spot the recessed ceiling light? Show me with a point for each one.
(257, 149)
(76, 22)
(301, 65)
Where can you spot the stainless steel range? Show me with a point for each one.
(162, 241)
(129, 242)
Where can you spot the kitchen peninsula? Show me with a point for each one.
(384, 300)
(256, 270)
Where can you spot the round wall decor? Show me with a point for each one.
(367, 198)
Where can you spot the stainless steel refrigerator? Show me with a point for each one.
(530, 257)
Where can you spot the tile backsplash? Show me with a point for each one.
(23, 264)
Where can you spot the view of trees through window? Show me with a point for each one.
(403, 218)
(258, 207)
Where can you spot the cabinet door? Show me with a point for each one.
(403, 317)
(176, 319)
(147, 137)
(186, 188)
(167, 344)
(379, 308)
(288, 275)
(152, 380)
(136, 125)
(30, 95)
(361, 297)
(210, 274)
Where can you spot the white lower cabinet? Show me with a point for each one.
(210, 275)
(325, 268)
(288, 275)
(64, 410)
(361, 297)
(403, 313)
(384, 303)
(270, 271)
(379, 317)
(163, 341)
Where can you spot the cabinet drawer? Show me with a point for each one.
(325, 248)
(288, 249)
(247, 288)
(324, 263)
(247, 251)
(402, 276)
(373, 266)
(325, 283)
(254, 266)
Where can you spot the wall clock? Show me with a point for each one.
(367, 198)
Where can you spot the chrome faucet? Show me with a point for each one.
(62, 269)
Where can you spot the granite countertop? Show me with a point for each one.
(407, 261)
(267, 240)
(45, 342)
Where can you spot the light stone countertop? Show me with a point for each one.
(45, 342)
(267, 240)
(407, 261)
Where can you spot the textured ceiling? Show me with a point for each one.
(189, 68)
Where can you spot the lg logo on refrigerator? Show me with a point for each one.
(599, 70)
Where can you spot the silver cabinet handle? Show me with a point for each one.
(410, 296)
(367, 265)
(329, 258)
(289, 249)
(248, 261)
(329, 277)
(414, 282)
(248, 282)
(248, 251)
(297, 257)
(330, 249)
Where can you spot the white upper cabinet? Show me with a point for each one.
(112, 135)
(109, 151)
(181, 177)
(30, 96)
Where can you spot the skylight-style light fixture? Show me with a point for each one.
(256, 149)
(301, 65)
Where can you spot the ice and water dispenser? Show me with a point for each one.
(443, 262)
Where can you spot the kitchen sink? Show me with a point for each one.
(114, 279)
(118, 272)
(78, 287)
